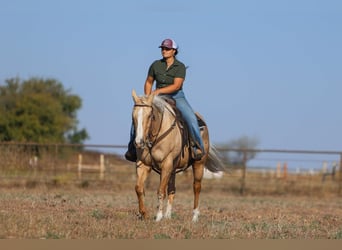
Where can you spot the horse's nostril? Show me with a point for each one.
(139, 144)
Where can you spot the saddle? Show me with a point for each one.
(186, 139)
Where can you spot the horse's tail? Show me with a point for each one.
(214, 163)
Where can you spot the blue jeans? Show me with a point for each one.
(188, 115)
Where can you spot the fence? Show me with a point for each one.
(94, 167)
(284, 166)
(245, 159)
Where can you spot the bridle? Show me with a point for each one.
(153, 139)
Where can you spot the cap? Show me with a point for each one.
(169, 43)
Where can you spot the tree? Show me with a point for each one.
(39, 110)
(234, 153)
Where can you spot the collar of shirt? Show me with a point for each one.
(175, 63)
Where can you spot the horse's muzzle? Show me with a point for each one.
(140, 145)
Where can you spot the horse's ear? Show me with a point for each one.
(134, 95)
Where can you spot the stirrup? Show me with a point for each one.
(197, 154)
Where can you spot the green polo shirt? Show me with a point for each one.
(163, 76)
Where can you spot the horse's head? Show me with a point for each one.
(142, 118)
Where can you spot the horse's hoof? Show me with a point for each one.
(140, 217)
(159, 216)
(195, 216)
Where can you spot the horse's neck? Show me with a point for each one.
(163, 121)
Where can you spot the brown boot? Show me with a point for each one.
(131, 154)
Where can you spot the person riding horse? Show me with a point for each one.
(169, 74)
(162, 145)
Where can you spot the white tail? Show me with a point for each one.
(214, 163)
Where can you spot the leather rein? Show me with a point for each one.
(157, 138)
(150, 142)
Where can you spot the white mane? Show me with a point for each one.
(160, 103)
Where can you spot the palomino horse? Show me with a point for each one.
(159, 144)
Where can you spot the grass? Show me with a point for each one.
(101, 214)
(54, 203)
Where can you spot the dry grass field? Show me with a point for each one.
(58, 205)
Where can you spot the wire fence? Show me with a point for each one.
(246, 169)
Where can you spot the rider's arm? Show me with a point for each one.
(148, 85)
(177, 84)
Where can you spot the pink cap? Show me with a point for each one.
(169, 43)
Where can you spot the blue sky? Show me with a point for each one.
(269, 70)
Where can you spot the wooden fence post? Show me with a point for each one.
(324, 171)
(55, 160)
(79, 166)
(285, 171)
(102, 167)
(243, 178)
(324, 167)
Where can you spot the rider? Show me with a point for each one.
(169, 74)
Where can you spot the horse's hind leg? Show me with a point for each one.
(198, 169)
(142, 173)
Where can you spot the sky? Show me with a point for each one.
(269, 70)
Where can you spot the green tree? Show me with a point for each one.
(39, 110)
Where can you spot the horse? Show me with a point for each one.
(160, 147)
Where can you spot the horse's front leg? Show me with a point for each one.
(171, 190)
(142, 173)
(166, 170)
(198, 169)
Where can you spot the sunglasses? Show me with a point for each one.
(165, 48)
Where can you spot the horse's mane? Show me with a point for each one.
(160, 103)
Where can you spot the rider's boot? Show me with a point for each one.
(196, 151)
(131, 154)
(197, 154)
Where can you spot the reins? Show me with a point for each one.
(162, 136)
(157, 139)
(153, 139)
